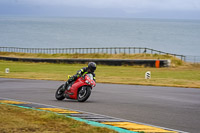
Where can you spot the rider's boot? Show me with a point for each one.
(65, 86)
(70, 80)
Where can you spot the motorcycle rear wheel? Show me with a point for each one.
(84, 93)
(59, 93)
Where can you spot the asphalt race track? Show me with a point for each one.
(170, 107)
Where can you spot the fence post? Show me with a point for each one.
(145, 50)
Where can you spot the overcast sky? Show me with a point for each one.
(178, 9)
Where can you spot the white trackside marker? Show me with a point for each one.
(7, 70)
(148, 75)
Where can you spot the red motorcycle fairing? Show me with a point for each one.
(74, 89)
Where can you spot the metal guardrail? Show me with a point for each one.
(103, 50)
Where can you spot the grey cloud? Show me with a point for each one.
(121, 4)
(103, 8)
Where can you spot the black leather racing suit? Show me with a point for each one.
(79, 73)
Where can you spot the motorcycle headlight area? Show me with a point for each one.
(86, 81)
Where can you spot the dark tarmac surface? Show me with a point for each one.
(170, 107)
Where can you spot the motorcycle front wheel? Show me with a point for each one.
(60, 93)
(84, 93)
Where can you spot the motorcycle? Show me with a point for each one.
(79, 90)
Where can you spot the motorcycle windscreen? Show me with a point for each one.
(90, 76)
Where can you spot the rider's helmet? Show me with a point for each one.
(92, 66)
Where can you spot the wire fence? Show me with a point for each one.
(192, 59)
(104, 50)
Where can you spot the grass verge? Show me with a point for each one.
(15, 119)
(181, 76)
(174, 61)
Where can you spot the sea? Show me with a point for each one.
(167, 35)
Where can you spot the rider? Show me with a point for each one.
(90, 69)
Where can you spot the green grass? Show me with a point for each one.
(19, 120)
(182, 76)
